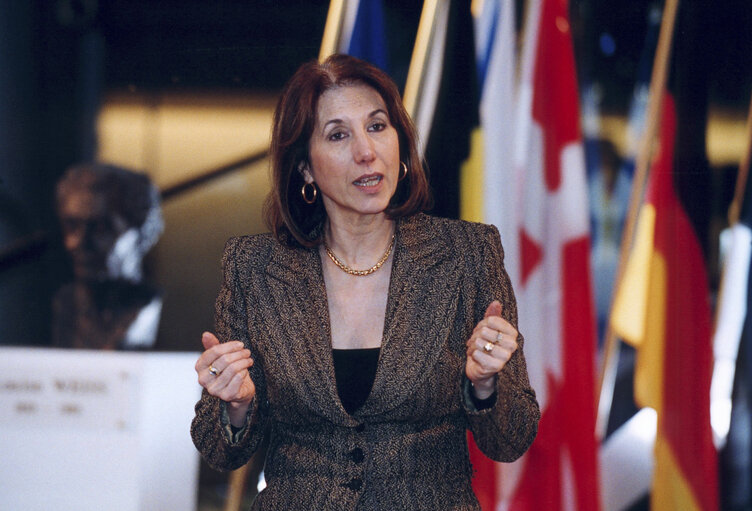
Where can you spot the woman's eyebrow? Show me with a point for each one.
(340, 121)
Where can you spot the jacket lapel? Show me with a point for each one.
(422, 303)
(303, 336)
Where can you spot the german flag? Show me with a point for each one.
(662, 309)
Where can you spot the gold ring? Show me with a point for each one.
(488, 348)
(213, 370)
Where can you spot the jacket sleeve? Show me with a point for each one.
(505, 430)
(221, 447)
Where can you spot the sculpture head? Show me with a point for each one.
(110, 218)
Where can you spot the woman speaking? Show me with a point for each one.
(362, 336)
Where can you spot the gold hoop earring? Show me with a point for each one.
(403, 175)
(314, 193)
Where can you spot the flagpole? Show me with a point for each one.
(236, 489)
(644, 154)
(741, 178)
(333, 29)
(416, 72)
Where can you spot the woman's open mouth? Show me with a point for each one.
(368, 181)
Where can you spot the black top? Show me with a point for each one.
(355, 371)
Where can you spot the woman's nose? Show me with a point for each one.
(362, 147)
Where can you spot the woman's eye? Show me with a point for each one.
(337, 135)
(378, 126)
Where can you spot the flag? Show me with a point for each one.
(661, 307)
(364, 32)
(553, 280)
(489, 183)
(731, 398)
(445, 104)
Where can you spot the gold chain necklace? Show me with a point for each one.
(359, 273)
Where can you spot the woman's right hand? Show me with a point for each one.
(223, 371)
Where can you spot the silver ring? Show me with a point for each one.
(498, 338)
(488, 347)
(213, 370)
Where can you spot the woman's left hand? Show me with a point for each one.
(489, 349)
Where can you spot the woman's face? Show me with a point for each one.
(354, 153)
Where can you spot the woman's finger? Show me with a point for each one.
(228, 372)
(236, 385)
(500, 324)
(503, 349)
(239, 388)
(210, 367)
(490, 364)
(486, 334)
(210, 355)
(493, 309)
(209, 340)
(502, 353)
(494, 324)
(222, 362)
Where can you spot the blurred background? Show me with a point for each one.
(184, 91)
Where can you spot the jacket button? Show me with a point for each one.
(357, 455)
(355, 484)
(360, 428)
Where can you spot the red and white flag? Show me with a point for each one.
(553, 281)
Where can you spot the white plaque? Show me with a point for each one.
(92, 430)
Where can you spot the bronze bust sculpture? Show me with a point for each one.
(110, 218)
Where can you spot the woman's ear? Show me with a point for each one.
(305, 171)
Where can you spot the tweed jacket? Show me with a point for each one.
(406, 447)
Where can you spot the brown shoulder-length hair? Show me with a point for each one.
(285, 212)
